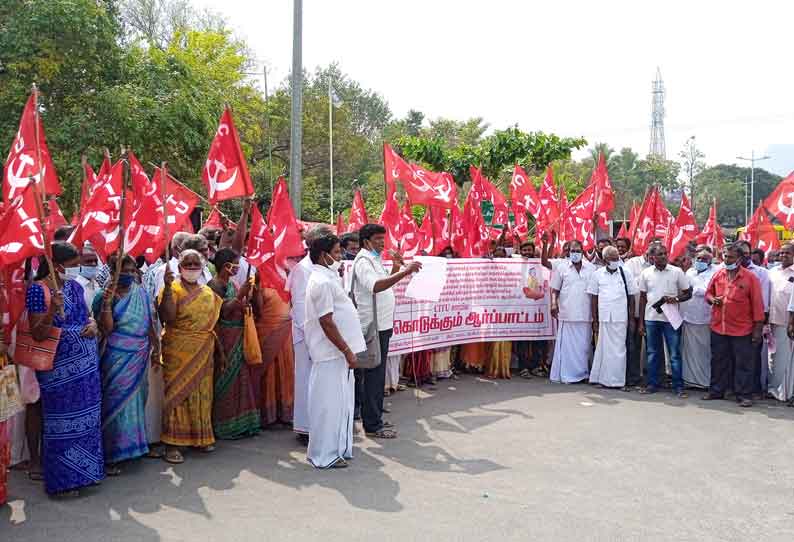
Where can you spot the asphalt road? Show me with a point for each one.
(476, 460)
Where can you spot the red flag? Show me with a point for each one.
(760, 232)
(225, 173)
(22, 162)
(427, 236)
(12, 295)
(55, 218)
(409, 233)
(477, 235)
(781, 202)
(102, 214)
(604, 196)
(712, 232)
(549, 204)
(143, 231)
(664, 219)
(214, 220)
(521, 226)
(442, 228)
(180, 202)
(522, 192)
(644, 225)
(390, 219)
(623, 232)
(489, 192)
(287, 240)
(394, 168)
(21, 234)
(341, 227)
(683, 230)
(429, 188)
(261, 253)
(458, 231)
(138, 178)
(358, 214)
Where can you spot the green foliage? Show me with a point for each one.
(726, 184)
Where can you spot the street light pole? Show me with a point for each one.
(752, 161)
(331, 143)
(296, 130)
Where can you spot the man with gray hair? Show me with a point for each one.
(297, 280)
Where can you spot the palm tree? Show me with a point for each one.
(601, 148)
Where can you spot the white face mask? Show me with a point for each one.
(613, 266)
(334, 265)
(190, 275)
(70, 273)
(575, 257)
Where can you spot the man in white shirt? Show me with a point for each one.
(89, 265)
(696, 329)
(297, 281)
(636, 356)
(659, 285)
(570, 304)
(611, 289)
(762, 367)
(371, 278)
(781, 363)
(333, 337)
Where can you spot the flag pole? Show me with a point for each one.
(164, 199)
(122, 232)
(39, 193)
(331, 143)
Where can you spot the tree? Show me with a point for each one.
(692, 165)
(726, 184)
(157, 21)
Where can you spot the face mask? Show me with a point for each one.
(613, 266)
(732, 266)
(233, 269)
(190, 275)
(701, 266)
(746, 261)
(334, 265)
(88, 272)
(375, 253)
(575, 257)
(70, 273)
(126, 280)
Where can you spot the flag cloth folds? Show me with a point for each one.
(682, 231)
(428, 188)
(225, 172)
(287, 240)
(760, 231)
(390, 219)
(358, 214)
(712, 232)
(409, 233)
(21, 232)
(781, 202)
(341, 227)
(604, 196)
(427, 240)
(261, 253)
(22, 163)
(394, 169)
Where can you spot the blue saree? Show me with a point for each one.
(71, 398)
(124, 378)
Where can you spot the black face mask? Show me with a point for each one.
(745, 261)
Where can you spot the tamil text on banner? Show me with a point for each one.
(505, 299)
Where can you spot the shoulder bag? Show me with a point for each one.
(38, 355)
(369, 358)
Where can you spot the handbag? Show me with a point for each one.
(251, 350)
(369, 358)
(10, 396)
(38, 355)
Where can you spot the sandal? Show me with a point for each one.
(155, 453)
(387, 393)
(174, 457)
(36, 476)
(525, 374)
(340, 464)
(383, 434)
(112, 470)
(387, 425)
(207, 449)
(73, 494)
(401, 387)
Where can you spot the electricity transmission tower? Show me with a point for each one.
(657, 118)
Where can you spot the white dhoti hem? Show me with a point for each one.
(303, 370)
(331, 398)
(609, 362)
(153, 412)
(392, 371)
(696, 354)
(780, 381)
(572, 352)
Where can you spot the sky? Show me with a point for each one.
(575, 68)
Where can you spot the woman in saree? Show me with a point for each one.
(235, 413)
(274, 327)
(71, 393)
(125, 315)
(189, 312)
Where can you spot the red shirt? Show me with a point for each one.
(742, 304)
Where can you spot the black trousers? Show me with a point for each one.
(633, 359)
(757, 370)
(733, 362)
(373, 382)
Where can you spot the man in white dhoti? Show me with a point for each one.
(296, 285)
(333, 337)
(570, 304)
(696, 330)
(781, 362)
(612, 289)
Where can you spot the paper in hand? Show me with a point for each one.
(673, 315)
(427, 284)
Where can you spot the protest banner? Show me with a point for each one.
(483, 300)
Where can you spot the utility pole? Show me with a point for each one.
(267, 128)
(752, 161)
(296, 131)
(331, 142)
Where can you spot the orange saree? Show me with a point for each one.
(274, 328)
